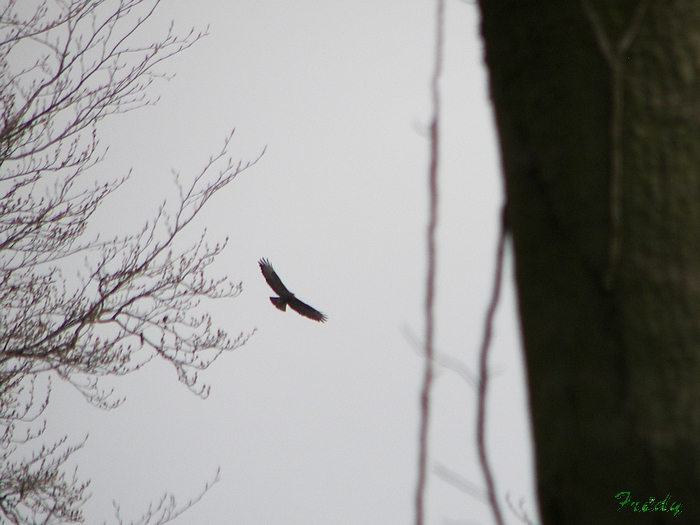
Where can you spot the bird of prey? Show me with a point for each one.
(285, 296)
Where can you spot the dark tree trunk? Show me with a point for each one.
(598, 110)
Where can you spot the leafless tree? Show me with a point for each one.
(138, 295)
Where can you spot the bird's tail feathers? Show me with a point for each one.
(279, 303)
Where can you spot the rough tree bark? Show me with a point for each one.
(598, 111)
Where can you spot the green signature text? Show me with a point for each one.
(651, 505)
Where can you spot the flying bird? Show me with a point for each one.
(285, 296)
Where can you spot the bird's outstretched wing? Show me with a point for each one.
(306, 310)
(273, 280)
(285, 296)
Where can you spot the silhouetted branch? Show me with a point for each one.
(34, 490)
(64, 66)
(520, 513)
(430, 278)
(484, 375)
(463, 484)
(166, 509)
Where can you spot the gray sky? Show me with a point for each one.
(316, 423)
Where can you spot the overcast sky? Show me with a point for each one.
(316, 423)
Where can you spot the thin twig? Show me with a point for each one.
(483, 376)
(463, 484)
(430, 285)
(442, 360)
(521, 514)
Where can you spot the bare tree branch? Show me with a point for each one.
(167, 509)
(34, 490)
(463, 484)
(138, 296)
(520, 513)
(430, 279)
(484, 375)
